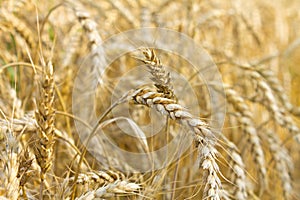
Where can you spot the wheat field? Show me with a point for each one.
(170, 99)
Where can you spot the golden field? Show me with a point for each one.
(171, 99)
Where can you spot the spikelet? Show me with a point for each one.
(45, 116)
(160, 77)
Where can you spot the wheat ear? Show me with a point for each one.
(9, 101)
(20, 27)
(275, 85)
(160, 76)
(27, 124)
(204, 137)
(246, 120)
(72, 45)
(283, 163)
(9, 164)
(18, 5)
(110, 190)
(23, 172)
(90, 27)
(45, 116)
(24, 124)
(237, 170)
(105, 184)
(279, 91)
(279, 114)
(97, 53)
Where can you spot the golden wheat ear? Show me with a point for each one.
(237, 172)
(245, 118)
(98, 184)
(203, 135)
(25, 163)
(20, 27)
(283, 163)
(9, 166)
(45, 117)
(160, 76)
